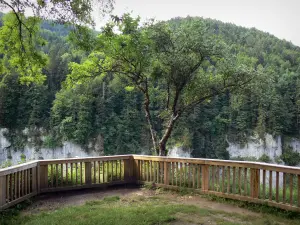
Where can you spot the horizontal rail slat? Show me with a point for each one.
(87, 159)
(18, 168)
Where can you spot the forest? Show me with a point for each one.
(146, 87)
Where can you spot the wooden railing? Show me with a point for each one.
(275, 185)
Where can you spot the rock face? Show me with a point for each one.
(272, 147)
(68, 150)
(256, 148)
(179, 152)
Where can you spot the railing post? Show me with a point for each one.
(88, 175)
(34, 180)
(166, 173)
(128, 170)
(42, 177)
(137, 170)
(254, 183)
(205, 177)
(2, 190)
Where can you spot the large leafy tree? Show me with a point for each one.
(175, 68)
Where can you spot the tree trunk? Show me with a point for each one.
(148, 117)
(167, 134)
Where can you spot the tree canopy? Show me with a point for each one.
(214, 83)
(176, 68)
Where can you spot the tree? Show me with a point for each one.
(20, 37)
(21, 49)
(175, 67)
(72, 11)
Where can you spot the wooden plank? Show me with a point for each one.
(240, 180)
(94, 164)
(264, 184)
(103, 171)
(199, 177)
(99, 172)
(205, 177)
(26, 185)
(223, 179)
(112, 171)
(255, 183)
(161, 172)
(228, 179)
(2, 190)
(88, 175)
(122, 169)
(194, 176)
(245, 181)
(84, 186)
(16, 201)
(234, 180)
(243, 164)
(22, 182)
(81, 173)
(184, 173)
(67, 174)
(29, 180)
(270, 185)
(34, 180)
(151, 171)
(43, 177)
(180, 174)
(56, 177)
(18, 168)
(284, 188)
(298, 191)
(291, 189)
(277, 187)
(213, 178)
(218, 179)
(52, 173)
(19, 183)
(127, 168)
(166, 173)
(76, 173)
(62, 174)
(189, 175)
(84, 159)
(71, 174)
(15, 185)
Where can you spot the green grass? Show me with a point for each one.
(111, 210)
(140, 210)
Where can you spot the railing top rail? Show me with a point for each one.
(18, 168)
(85, 159)
(218, 162)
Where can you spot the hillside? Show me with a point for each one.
(103, 111)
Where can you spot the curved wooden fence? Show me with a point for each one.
(274, 185)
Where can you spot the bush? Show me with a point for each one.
(290, 157)
(265, 158)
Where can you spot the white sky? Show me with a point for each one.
(278, 17)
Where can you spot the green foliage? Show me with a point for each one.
(99, 100)
(265, 158)
(290, 157)
(21, 49)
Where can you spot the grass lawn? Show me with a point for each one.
(140, 210)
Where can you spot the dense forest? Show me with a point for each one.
(80, 101)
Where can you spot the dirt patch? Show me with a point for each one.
(206, 203)
(53, 201)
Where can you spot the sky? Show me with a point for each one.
(278, 17)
